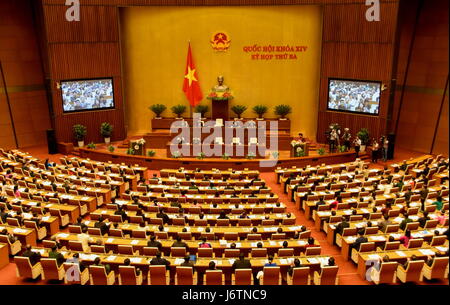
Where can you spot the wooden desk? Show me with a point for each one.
(4, 255)
(25, 235)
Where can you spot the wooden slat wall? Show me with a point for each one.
(352, 48)
(87, 49)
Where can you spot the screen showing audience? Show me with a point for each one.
(84, 95)
(354, 96)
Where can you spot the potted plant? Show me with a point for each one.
(130, 151)
(79, 132)
(283, 110)
(225, 156)
(158, 109)
(106, 131)
(176, 154)
(151, 153)
(178, 110)
(275, 154)
(201, 156)
(202, 109)
(111, 148)
(364, 136)
(321, 151)
(239, 110)
(91, 145)
(260, 110)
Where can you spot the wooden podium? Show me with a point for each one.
(220, 109)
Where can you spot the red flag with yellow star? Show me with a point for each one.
(191, 87)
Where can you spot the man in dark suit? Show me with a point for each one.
(163, 215)
(188, 263)
(33, 256)
(342, 225)
(56, 255)
(158, 260)
(423, 220)
(408, 194)
(107, 267)
(3, 214)
(360, 240)
(122, 213)
(104, 228)
(80, 223)
(153, 243)
(179, 243)
(241, 263)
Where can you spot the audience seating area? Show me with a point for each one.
(88, 222)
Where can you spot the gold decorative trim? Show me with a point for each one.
(28, 88)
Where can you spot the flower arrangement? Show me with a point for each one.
(176, 154)
(151, 153)
(221, 96)
(225, 156)
(111, 148)
(321, 151)
(201, 156)
(130, 151)
(91, 145)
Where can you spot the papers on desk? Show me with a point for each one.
(46, 218)
(222, 242)
(200, 229)
(442, 249)
(89, 257)
(272, 243)
(179, 261)
(378, 238)
(136, 260)
(426, 251)
(134, 242)
(313, 260)
(40, 251)
(365, 211)
(351, 239)
(374, 256)
(400, 253)
(109, 240)
(231, 261)
(112, 258)
(33, 204)
(63, 235)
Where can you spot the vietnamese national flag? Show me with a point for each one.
(191, 87)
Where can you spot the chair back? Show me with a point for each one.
(205, 252)
(74, 229)
(438, 240)
(223, 223)
(128, 275)
(98, 249)
(23, 266)
(231, 253)
(387, 271)
(98, 275)
(393, 245)
(254, 237)
(271, 275)
(300, 276)
(367, 247)
(184, 275)
(313, 251)
(415, 243)
(214, 277)
(413, 271)
(243, 277)
(371, 230)
(328, 275)
(412, 226)
(439, 267)
(231, 236)
(278, 236)
(157, 275)
(431, 224)
(285, 252)
(125, 249)
(50, 269)
(161, 235)
(95, 231)
(259, 252)
(392, 228)
(75, 245)
(178, 252)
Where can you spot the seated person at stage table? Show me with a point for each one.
(295, 264)
(34, 257)
(107, 267)
(179, 243)
(56, 255)
(188, 263)
(158, 260)
(241, 263)
(104, 228)
(360, 240)
(153, 243)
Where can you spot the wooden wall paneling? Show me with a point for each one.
(441, 142)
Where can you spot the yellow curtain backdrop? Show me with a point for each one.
(155, 41)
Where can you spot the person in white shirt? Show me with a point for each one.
(85, 239)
